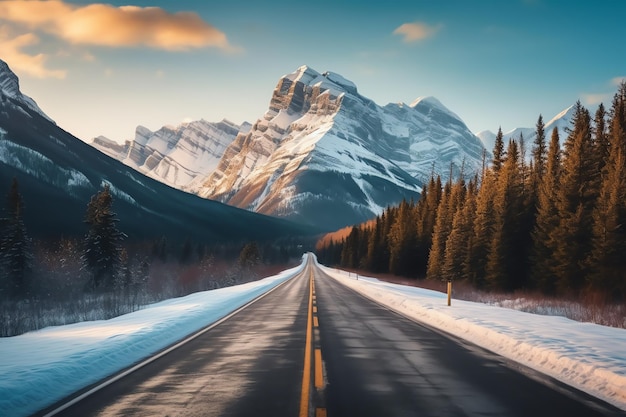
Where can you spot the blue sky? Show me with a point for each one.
(101, 69)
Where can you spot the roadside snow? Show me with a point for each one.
(42, 367)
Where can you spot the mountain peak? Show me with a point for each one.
(10, 87)
(561, 122)
(567, 114)
(428, 100)
(325, 81)
(432, 102)
(9, 83)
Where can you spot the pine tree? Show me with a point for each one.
(608, 263)
(575, 204)
(547, 220)
(403, 241)
(601, 138)
(386, 222)
(461, 235)
(15, 246)
(350, 251)
(539, 152)
(505, 263)
(483, 230)
(377, 255)
(498, 152)
(426, 218)
(441, 231)
(537, 173)
(101, 256)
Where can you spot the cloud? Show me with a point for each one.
(592, 99)
(416, 31)
(618, 80)
(33, 65)
(106, 25)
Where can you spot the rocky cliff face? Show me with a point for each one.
(111, 147)
(323, 153)
(177, 155)
(10, 89)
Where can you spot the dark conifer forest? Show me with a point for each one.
(46, 282)
(552, 220)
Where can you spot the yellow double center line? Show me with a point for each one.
(312, 321)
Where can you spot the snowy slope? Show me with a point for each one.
(54, 167)
(41, 367)
(325, 154)
(175, 155)
(322, 153)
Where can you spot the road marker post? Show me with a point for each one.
(449, 292)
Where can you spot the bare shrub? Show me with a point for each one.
(61, 294)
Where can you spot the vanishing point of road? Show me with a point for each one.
(313, 347)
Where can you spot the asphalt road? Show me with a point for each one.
(250, 365)
(379, 363)
(364, 360)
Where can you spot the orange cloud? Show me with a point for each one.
(416, 31)
(106, 25)
(33, 65)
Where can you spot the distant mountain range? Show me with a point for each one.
(58, 173)
(560, 122)
(322, 153)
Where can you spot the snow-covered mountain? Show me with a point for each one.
(324, 154)
(561, 121)
(58, 173)
(111, 147)
(10, 88)
(175, 155)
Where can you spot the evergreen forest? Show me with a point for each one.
(551, 218)
(47, 282)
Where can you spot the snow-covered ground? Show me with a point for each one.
(39, 368)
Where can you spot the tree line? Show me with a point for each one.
(554, 220)
(103, 274)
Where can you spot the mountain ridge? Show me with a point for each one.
(59, 173)
(373, 156)
(561, 121)
(322, 147)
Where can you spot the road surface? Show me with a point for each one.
(313, 347)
